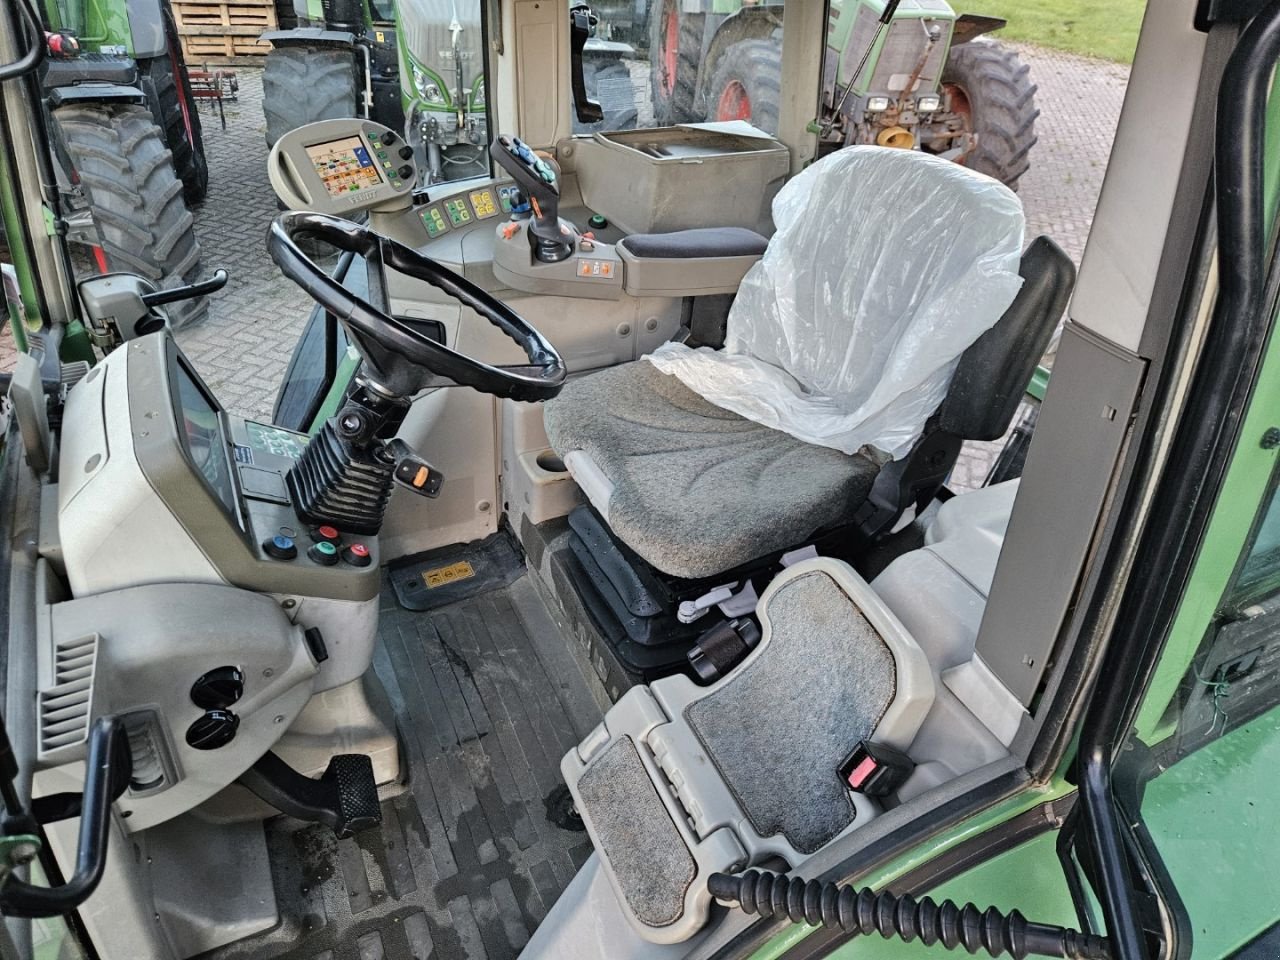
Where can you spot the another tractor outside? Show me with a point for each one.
(127, 134)
(925, 81)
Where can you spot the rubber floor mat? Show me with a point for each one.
(437, 578)
(466, 863)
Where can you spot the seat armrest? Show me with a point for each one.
(701, 243)
(690, 263)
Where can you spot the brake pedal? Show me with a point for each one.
(345, 798)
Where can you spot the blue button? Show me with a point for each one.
(282, 542)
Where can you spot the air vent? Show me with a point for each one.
(65, 708)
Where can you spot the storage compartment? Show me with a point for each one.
(677, 178)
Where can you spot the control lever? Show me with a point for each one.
(412, 471)
(538, 181)
(197, 289)
(581, 20)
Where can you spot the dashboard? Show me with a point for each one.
(341, 167)
(160, 484)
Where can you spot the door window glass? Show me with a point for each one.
(1208, 799)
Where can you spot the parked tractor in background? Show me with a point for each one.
(414, 65)
(127, 134)
(925, 81)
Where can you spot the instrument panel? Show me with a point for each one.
(465, 209)
(342, 167)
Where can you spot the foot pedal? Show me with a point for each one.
(345, 797)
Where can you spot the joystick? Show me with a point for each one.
(552, 241)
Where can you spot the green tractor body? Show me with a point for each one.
(918, 83)
(416, 66)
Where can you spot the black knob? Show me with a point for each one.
(406, 152)
(215, 729)
(218, 689)
(406, 172)
(388, 138)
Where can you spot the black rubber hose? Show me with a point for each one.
(861, 911)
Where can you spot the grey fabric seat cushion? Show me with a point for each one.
(635, 833)
(697, 489)
(778, 728)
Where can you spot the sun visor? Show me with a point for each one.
(886, 265)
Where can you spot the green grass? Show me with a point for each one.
(1107, 29)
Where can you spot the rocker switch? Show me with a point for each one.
(413, 472)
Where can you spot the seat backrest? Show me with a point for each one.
(885, 266)
(993, 373)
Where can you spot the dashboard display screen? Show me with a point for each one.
(205, 440)
(345, 166)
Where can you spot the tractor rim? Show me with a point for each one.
(735, 102)
(670, 50)
(963, 108)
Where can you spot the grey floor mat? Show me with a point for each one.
(778, 731)
(488, 699)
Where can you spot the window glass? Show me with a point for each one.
(1210, 777)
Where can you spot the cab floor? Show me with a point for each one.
(488, 698)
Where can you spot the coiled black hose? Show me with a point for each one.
(864, 912)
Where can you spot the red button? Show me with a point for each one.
(359, 549)
(329, 533)
(862, 772)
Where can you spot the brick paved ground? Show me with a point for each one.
(243, 347)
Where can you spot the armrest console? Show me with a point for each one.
(689, 262)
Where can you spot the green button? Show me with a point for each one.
(327, 548)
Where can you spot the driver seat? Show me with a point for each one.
(697, 490)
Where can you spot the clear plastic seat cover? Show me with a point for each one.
(886, 265)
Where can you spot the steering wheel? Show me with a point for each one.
(398, 356)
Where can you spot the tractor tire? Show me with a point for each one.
(301, 85)
(675, 45)
(174, 110)
(994, 91)
(595, 72)
(141, 223)
(747, 85)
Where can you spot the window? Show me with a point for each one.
(1207, 803)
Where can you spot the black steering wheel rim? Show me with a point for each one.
(379, 336)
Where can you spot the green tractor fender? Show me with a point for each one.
(94, 92)
(971, 25)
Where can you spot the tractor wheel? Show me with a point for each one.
(174, 110)
(616, 116)
(301, 85)
(675, 47)
(125, 172)
(747, 85)
(992, 92)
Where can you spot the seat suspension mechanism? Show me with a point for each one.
(860, 911)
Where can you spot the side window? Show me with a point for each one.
(1207, 804)
(319, 355)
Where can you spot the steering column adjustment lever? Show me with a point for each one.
(411, 471)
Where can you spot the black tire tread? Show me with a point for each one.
(679, 107)
(189, 161)
(303, 84)
(139, 217)
(756, 64)
(1002, 99)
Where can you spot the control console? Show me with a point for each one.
(343, 167)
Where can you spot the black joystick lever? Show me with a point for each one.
(537, 179)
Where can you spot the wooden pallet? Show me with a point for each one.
(202, 15)
(201, 49)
